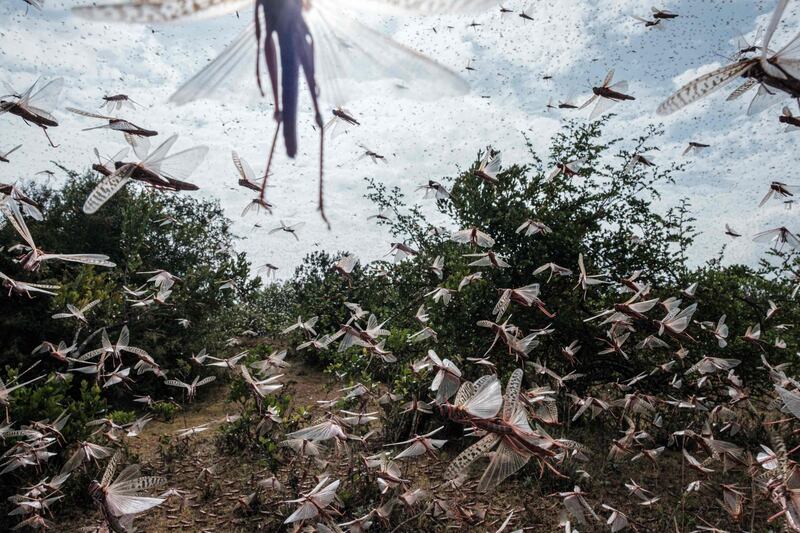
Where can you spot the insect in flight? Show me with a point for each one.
(607, 96)
(155, 168)
(34, 106)
(115, 102)
(116, 124)
(316, 37)
(775, 74)
(4, 155)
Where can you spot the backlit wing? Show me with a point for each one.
(227, 70)
(349, 54)
(46, 98)
(245, 171)
(703, 86)
(487, 400)
(12, 213)
(181, 165)
(603, 106)
(149, 12)
(765, 98)
(773, 25)
(505, 462)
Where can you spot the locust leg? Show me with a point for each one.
(44, 129)
(272, 68)
(305, 48)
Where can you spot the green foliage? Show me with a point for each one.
(607, 213)
(133, 229)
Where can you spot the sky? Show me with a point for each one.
(573, 41)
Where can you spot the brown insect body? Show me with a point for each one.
(29, 117)
(790, 85)
(794, 121)
(151, 178)
(347, 118)
(136, 130)
(605, 92)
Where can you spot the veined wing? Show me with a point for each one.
(245, 171)
(124, 504)
(227, 69)
(140, 145)
(159, 153)
(603, 106)
(348, 53)
(111, 468)
(765, 98)
(608, 78)
(465, 392)
(46, 98)
(788, 58)
(160, 11)
(505, 461)
(743, 88)
(87, 113)
(181, 165)
(40, 112)
(703, 86)
(11, 210)
(470, 455)
(87, 259)
(511, 398)
(773, 25)
(107, 188)
(486, 401)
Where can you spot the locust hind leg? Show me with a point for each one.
(272, 67)
(44, 129)
(306, 52)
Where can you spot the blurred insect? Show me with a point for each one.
(655, 23)
(116, 102)
(34, 257)
(607, 96)
(695, 147)
(792, 122)
(288, 228)
(779, 237)
(116, 124)
(374, 156)
(4, 155)
(340, 116)
(568, 169)
(247, 178)
(35, 105)
(316, 37)
(22, 287)
(776, 75)
(778, 190)
(524, 14)
(662, 14)
(489, 167)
